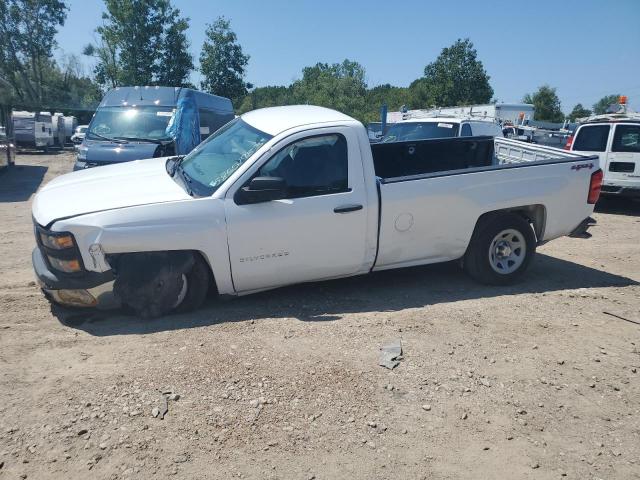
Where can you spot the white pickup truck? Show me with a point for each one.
(297, 194)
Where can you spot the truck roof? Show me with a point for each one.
(161, 96)
(275, 120)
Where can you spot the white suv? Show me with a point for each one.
(616, 140)
(440, 127)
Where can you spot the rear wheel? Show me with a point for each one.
(500, 250)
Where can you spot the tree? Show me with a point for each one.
(393, 97)
(601, 105)
(340, 86)
(579, 112)
(222, 62)
(270, 96)
(546, 103)
(27, 39)
(142, 42)
(456, 77)
(176, 63)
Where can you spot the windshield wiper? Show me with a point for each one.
(109, 139)
(184, 177)
(150, 140)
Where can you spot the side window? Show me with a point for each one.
(466, 130)
(211, 121)
(626, 139)
(311, 166)
(592, 138)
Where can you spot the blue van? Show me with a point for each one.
(133, 123)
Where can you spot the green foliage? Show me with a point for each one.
(600, 107)
(262, 97)
(546, 103)
(142, 42)
(456, 77)
(579, 112)
(340, 86)
(27, 38)
(393, 97)
(222, 62)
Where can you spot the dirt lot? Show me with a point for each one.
(531, 381)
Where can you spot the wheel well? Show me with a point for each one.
(534, 214)
(112, 259)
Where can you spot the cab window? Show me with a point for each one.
(626, 139)
(592, 138)
(466, 130)
(311, 166)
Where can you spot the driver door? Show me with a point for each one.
(318, 231)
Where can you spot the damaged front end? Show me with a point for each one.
(61, 274)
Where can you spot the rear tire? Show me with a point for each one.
(500, 250)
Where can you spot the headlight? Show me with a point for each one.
(57, 242)
(67, 266)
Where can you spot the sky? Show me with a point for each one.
(584, 48)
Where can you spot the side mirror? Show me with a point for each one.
(261, 189)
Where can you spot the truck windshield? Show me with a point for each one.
(215, 159)
(130, 123)
(403, 132)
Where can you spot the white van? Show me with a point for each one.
(425, 128)
(616, 140)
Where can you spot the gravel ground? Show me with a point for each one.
(529, 381)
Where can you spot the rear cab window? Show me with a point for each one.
(410, 131)
(626, 139)
(592, 138)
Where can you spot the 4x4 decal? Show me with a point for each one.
(581, 166)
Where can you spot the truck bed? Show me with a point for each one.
(433, 191)
(397, 161)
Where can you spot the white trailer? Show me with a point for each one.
(57, 128)
(32, 129)
(70, 124)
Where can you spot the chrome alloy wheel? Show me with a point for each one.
(507, 251)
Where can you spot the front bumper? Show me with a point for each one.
(88, 289)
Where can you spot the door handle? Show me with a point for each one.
(347, 208)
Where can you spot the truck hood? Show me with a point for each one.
(110, 152)
(106, 188)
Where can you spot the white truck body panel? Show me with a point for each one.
(138, 207)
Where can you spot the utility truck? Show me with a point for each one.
(296, 194)
(615, 138)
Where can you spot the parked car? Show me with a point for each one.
(297, 194)
(615, 139)
(7, 150)
(79, 134)
(134, 123)
(33, 129)
(424, 128)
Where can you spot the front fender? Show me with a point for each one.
(195, 224)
